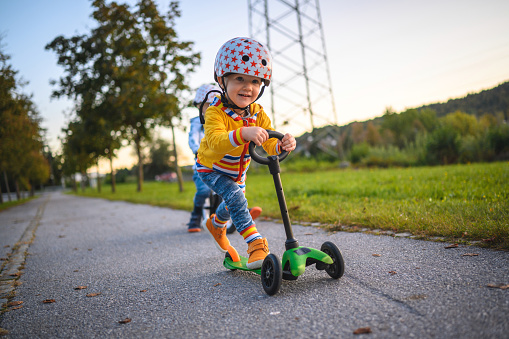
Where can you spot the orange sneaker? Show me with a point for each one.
(218, 234)
(257, 249)
(255, 212)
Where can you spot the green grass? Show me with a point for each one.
(7, 204)
(460, 202)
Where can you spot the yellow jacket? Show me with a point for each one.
(223, 149)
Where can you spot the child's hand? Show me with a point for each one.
(288, 143)
(255, 134)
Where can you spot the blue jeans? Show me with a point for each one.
(233, 197)
(202, 191)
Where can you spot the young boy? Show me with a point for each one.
(204, 94)
(196, 133)
(243, 67)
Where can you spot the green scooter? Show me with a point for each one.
(295, 258)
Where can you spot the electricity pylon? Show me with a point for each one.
(301, 81)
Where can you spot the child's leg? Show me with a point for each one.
(202, 193)
(202, 190)
(234, 198)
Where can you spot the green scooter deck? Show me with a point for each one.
(239, 265)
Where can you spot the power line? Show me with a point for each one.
(293, 32)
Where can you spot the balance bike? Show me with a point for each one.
(295, 258)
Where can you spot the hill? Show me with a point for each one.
(325, 139)
(490, 101)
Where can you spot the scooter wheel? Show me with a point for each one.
(337, 268)
(271, 274)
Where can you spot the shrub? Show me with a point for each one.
(442, 146)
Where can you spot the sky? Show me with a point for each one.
(391, 53)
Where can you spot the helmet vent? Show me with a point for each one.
(245, 58)
(264, 62)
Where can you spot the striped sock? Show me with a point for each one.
(250, 234)
(219, 223)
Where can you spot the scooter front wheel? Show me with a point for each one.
(271, 274)
(337, 268)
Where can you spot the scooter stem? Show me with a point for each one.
(274, 169)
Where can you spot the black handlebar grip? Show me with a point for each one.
(262, 160)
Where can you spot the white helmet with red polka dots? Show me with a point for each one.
(206, 90)
(244, 56)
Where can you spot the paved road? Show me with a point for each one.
(172, 284)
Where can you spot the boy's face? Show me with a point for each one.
(242, 89)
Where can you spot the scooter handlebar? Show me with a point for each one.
(263, 160)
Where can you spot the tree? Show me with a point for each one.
(160, 156)
(21, 137)
(372, 135)
(465, 124)
(132, 66)
(442, 146)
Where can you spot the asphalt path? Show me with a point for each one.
(138, 262)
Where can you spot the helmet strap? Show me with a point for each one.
(202, 118)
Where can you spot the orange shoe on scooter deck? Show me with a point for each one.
(218, 234)
(257, 249)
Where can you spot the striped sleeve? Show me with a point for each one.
(235, 137)
(278, 148)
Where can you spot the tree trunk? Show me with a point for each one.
(1, 195)
(137, 141)
(7, 187)
(98, 178)
(82, 182)
(176, 164)
(74, 185)
(32, 190)
(18, 193)
(113, 188)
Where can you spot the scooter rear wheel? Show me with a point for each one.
(271, 274)
(337, 268)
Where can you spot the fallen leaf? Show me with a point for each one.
(417, 297)
(80, 287)
(143, 291)
(470, 254)
(376, 255)
(17, 307)
(392, 272)
(61, 236)
(501, 286)
(217, 284)
(125, 321)
(17, 274)
(93, 294)
(362, 330)
(489, 239)
(4, 259)
(308, 233)
(275, 313)
(76, 270)
(452, 246)
(48, 301)
(14, 303)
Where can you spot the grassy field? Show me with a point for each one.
(462, 203)
(7, 204)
